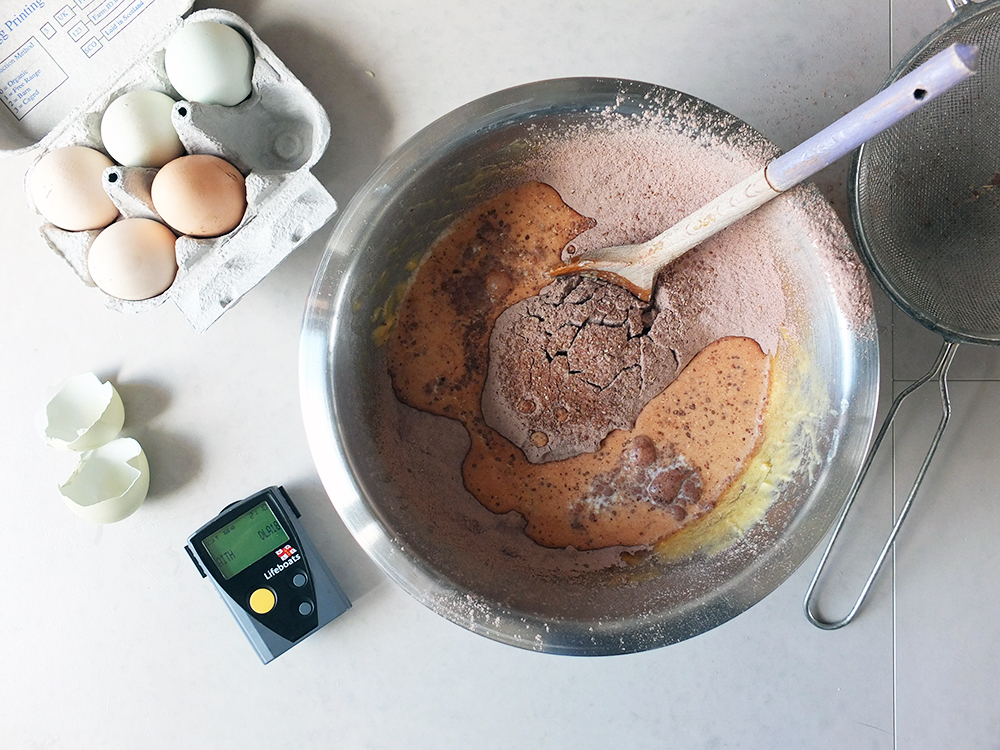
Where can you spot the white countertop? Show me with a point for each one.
(112, 640)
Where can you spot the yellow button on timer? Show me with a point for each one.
(262, 601)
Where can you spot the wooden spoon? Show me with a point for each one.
(635, 266)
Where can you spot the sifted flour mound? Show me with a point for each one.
(570, 365)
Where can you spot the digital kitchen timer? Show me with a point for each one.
(267, 571)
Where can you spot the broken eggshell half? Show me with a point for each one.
(109, 483)
(83, 414)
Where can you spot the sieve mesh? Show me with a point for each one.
(925, 194)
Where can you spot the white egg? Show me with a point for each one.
(66, 186)
(109, 483)
(137, 131)
(83, 414)
(133, 259)
(211, 63)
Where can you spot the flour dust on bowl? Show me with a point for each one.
(508, 556)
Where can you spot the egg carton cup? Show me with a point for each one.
(273, 138)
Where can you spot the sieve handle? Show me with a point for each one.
(939, 371)
(946, 69)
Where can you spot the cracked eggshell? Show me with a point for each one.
(83, 414)
(109, 483)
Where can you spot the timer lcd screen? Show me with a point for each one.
(245, 540)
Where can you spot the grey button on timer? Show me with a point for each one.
(305, 608)
(299, 580)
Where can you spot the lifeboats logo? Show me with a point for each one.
(289, 555)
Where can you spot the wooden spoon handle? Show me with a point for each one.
(741, 199)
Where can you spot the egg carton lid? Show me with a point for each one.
(57, 58)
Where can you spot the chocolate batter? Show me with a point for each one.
(642, 483)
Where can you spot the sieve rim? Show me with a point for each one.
(961, 15)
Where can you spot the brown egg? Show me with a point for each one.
(200, 195)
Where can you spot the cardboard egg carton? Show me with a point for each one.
(273, 137)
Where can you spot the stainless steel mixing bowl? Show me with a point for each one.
(451, 553)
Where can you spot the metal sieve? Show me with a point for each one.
(925, 202)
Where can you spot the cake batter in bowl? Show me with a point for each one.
(632, 158)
